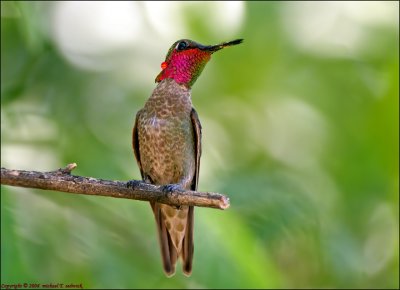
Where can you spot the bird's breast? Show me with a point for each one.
(166, 147)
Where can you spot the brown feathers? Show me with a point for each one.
(167, 144)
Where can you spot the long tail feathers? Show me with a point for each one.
(169, 254)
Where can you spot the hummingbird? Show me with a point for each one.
(166, 142)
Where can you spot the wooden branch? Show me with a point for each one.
(62, 180)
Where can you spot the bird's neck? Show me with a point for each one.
(185, 68)
(169, 97)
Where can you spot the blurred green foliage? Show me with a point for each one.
(305, 144)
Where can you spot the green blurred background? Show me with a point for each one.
(300, 130)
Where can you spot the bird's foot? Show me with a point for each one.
(171, 188)
(133, 183)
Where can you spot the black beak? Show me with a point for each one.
(214, 48)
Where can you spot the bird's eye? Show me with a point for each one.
(181, 45)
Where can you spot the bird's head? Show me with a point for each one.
(186, 59)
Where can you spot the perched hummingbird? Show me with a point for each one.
(167, 145)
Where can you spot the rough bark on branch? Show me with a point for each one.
(62, 180)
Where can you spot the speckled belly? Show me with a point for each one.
(167, 150)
